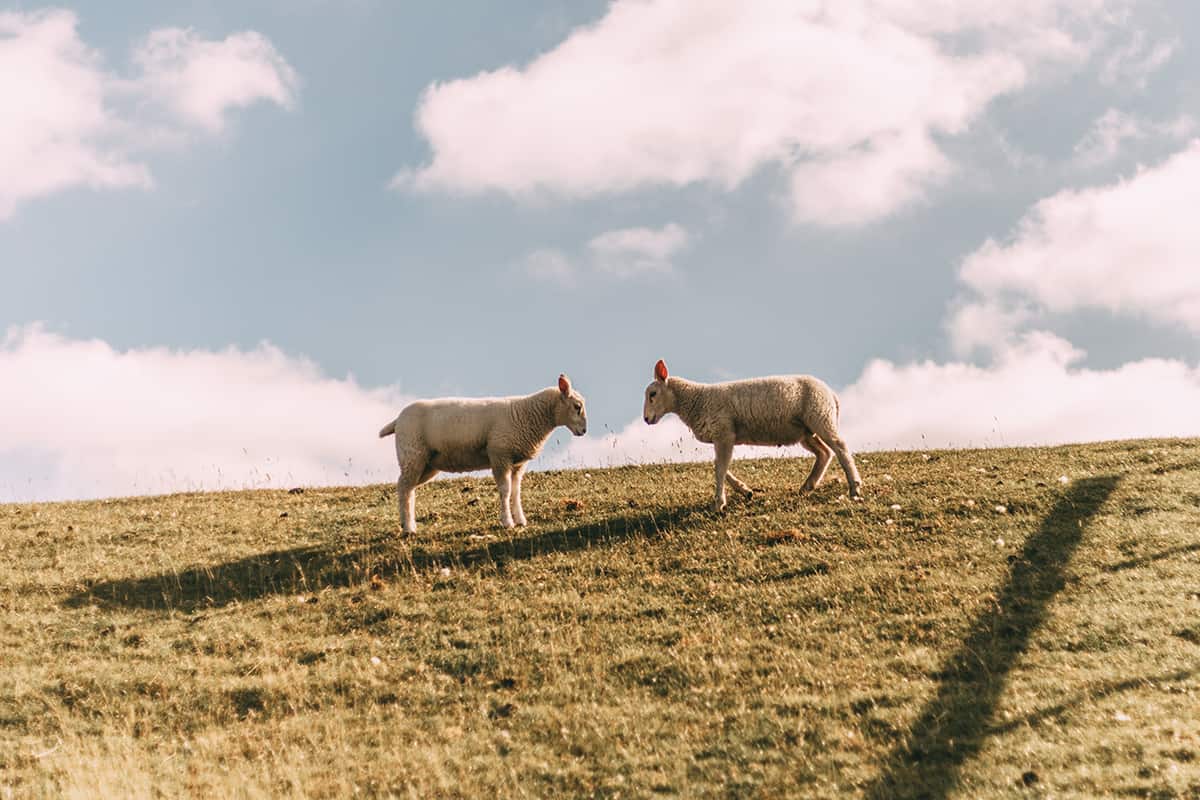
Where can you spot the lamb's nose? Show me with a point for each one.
(647, 420)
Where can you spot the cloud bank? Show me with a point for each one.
(87, 420)
(81, 419)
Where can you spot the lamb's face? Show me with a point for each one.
(660, 401)
(571, 410)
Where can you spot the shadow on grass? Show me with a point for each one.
(952, 726)
(1093, 695)
(309, 569)
(1143, 561)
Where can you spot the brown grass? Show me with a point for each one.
(628, 644)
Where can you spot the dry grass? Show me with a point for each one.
(975, 628)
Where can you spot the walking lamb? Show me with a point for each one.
(779, 410)
(463, 434)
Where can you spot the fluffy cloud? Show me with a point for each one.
(621, 254)
(81, 419)
(201, 80)
(1130, 248)
(679, 92)
(636, 251)
(70, 122)
(1034, 393)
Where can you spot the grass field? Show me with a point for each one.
(979, 626)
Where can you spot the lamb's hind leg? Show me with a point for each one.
(737, 484)
(829, 435)
(823, 456)
(518, 513)
(413, 472)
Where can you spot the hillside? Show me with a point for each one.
(981, 625)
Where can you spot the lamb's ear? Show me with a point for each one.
(564, 385)
(660, 370)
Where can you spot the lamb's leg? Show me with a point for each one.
(411, 470)
(737, 484)
(847, 461)
(824, 455)
(503, 475)
(724, 448)
(518, 473)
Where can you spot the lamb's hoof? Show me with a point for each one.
(856, 495)
(718, 507)
(520, 523)
(408, 531)
(806, 488)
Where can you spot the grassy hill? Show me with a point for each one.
(980, 626)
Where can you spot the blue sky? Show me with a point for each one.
(281, 221)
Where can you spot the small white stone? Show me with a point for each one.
(1064, 480)
(1001, 509)
(895, 506)
(376, 660)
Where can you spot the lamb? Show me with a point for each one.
(464, 434)
(779, 410)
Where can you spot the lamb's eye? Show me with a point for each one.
(578, 407)
(652, 395)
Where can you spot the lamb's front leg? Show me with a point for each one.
(503, 475)
(724, 448)
(518, 513)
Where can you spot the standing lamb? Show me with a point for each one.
(464, 434)
(783, 409)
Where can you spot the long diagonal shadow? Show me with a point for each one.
(308, 569)
(952, 726)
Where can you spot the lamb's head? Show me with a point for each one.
(660, 397)
(569, 410)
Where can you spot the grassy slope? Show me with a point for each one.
(264, 643)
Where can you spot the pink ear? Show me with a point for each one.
(564, 385)
(660, 370)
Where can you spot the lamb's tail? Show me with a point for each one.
(387, 430)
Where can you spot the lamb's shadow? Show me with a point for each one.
(953, 725)
(307, 569)
(1143, 561)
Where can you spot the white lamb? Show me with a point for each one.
(464, 434)
(779, 410)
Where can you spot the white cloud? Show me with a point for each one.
(79, 418)
(1034, 393)
(1137, 61)
(201, 80)
(1130, 248)
(846, 99)
(69, 121)
(1103, 142)
(629, 252)
(621, 254)
(87, 420)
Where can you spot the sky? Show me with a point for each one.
(237, 237)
